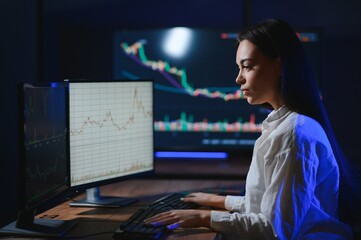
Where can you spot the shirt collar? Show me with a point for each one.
(274, 116)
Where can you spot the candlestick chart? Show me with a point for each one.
(136, 51)
(196, 98)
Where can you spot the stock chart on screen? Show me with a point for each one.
(110, 130)
(198, 105)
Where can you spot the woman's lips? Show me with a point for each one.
(245, 91)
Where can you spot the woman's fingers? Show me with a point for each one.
(181, 218)
(160, 219)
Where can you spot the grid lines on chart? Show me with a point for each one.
(111, 126)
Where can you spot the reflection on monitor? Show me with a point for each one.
(198, 106)
(111, 135)
(43, 157)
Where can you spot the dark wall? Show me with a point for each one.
(71, 26)
(18, 62)
(85, 31)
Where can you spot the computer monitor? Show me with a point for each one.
(199, 107)
(43, 147)
(111, 136)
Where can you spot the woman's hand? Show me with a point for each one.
(206, 199)
(189, 218)
(181, 218)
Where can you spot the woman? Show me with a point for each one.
(292, 186)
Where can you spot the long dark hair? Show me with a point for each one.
(299, 90)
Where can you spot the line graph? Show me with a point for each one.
(136, 52)
(44, 109)
(46, 169)
(110, 127)
(108, 117)
(40, 173)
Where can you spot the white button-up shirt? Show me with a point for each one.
(291, 186)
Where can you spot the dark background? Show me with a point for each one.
(48, 40)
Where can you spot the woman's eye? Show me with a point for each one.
(247, 67)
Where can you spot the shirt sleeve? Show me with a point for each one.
(242, 226)
(235, 203)
(287, 198)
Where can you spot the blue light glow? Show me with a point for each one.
(173, 226)
(207, 155)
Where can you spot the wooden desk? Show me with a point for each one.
(106, 220)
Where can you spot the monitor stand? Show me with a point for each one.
(27, 225)
(94, 199)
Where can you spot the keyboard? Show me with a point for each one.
(173, 201)
(134, 227)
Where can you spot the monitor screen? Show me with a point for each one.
(45, 141)
(198, 105)
(111, 132)
(44, 158)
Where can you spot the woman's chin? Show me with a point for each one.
(251, 101)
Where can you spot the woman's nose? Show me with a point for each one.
(240, 79)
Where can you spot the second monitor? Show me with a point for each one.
(111, 135)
